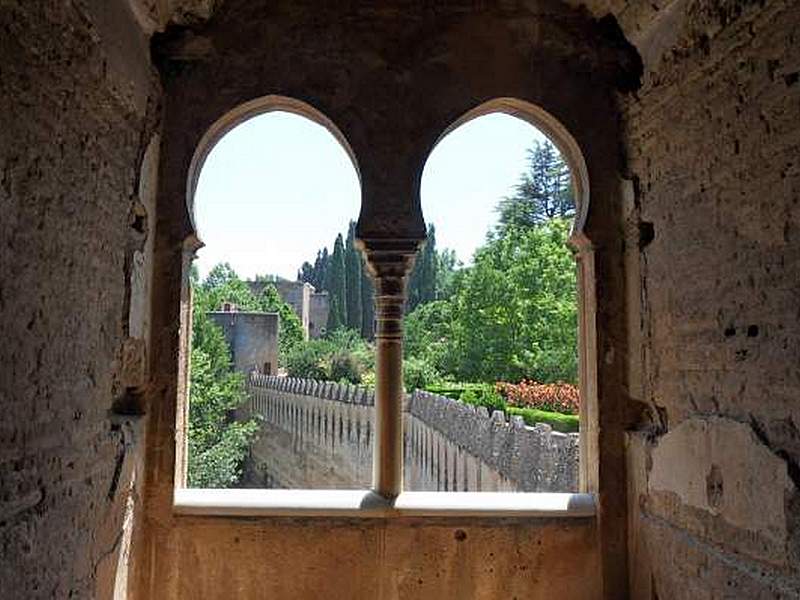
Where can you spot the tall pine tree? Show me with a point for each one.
(427, 282)
(352, 259)
(422, 282)
(336, 284)
(543, 192)
(306, 273)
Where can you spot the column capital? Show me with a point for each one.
(389, 257)
(390, 262)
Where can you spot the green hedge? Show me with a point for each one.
(482, 394)
(558, 421)
(454, 390)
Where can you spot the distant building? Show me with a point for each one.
(252, 337)
(311, 307)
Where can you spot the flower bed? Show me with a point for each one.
(561, 398)
(555, 404)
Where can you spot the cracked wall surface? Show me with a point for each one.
(75, 94)
(713, 141)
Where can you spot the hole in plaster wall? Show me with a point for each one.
(714, 487)
(647, 234)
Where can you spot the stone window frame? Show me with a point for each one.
(386, 497)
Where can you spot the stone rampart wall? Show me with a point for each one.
(529, 459)
(313, 434)
(320, 434)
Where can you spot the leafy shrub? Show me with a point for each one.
(342, 356)
(217, 445)
(454, 390)
(307, 361)
(368, 379)
(483, 397)
(558, 421)
(418, 373)
(345, 366)
(554, 397)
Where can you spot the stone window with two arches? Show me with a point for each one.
(328, 447)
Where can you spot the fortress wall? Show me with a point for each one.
(314, 434)
(512, 454)
(320, 434)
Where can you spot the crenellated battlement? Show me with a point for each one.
(320, 434)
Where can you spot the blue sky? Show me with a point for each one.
(278, 187)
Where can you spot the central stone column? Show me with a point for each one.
(390, 263)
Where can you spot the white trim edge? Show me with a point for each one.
(368, 504)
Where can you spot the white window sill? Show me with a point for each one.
(367, 504)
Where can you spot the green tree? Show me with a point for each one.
(353, 279)
(217, 444)
(223, 285)
(544, 191)
(512, 315)
(447, 267)
(428, 267)
(321, 265)
(367, 303)
(291, 328)
(421, 286)
(336, 284)
(306, 273)
(341, 356)
(515, 313)
(429, 335)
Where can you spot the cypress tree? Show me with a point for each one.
(367, 304)
(427, 276)
(336, 284)
(306, 273)
(353, 280)
(412, 287)
(321, 269)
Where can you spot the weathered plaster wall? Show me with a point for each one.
(713, 142)
(77, 181)
(390, 560)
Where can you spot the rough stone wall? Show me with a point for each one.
(321, 434)
(77, 174)
(252, 338)
(713, 144)
(314, 435)
(447, 441)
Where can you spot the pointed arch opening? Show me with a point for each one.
(269, 182)
(503, 356)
